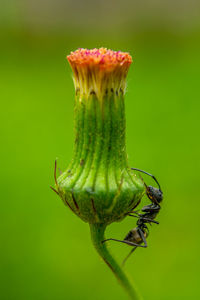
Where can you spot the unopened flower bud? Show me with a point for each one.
(99, 186)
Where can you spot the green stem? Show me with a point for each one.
(97, 235)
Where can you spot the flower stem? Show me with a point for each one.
(97, 236)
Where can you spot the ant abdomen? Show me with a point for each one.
(133, 236)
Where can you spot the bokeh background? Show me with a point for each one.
(45, 250)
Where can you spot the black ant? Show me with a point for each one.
(138, 235)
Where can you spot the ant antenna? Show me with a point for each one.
(149, 175)
(143, 182)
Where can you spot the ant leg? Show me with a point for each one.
(151, 208)
(145, 219)
(145, 245)
(125, 259)
(136, 216)
(134, 211)
(150, 220)
(125, 242)
(143, 237)
(149, 175)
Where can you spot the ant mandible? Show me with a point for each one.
(138, 235)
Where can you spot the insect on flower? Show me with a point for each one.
(98, 185)
(138, 235)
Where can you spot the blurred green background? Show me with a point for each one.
(45, 250)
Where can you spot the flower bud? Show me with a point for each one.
(99, 186)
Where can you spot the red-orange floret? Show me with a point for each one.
(99, 70)
(104, 58)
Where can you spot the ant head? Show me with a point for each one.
(154, 194)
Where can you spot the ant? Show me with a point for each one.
(138, 235)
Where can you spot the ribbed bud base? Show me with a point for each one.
(98, 185)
